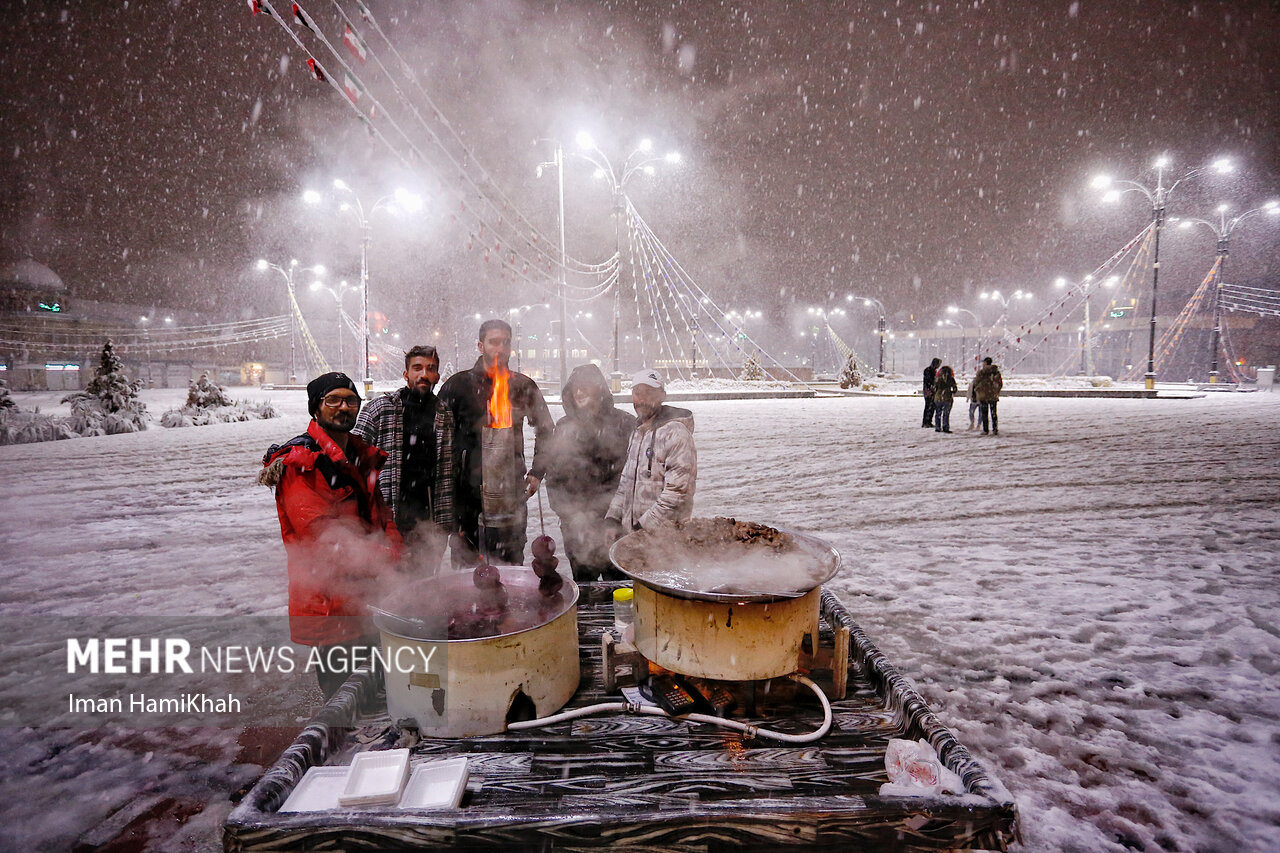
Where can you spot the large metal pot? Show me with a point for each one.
(726, 600)
(467, 688)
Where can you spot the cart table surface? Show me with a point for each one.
(650, 783)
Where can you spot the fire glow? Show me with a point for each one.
(499, 399)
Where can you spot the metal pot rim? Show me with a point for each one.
(820, 550)
(380, 615)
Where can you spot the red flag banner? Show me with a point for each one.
(353, 87)
(356, 45)
(302, 17)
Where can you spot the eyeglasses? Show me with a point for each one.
(332, 402)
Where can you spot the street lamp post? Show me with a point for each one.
(400, 200)
(955, 309)
(288, 273)
(557, 163)
(1222, 230)
(824, 314)
(637, 162)
(1003, 301)
(881, 327)
(1159, 199)
(342, 290)
(960, 326)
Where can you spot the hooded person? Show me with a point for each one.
(661, 471)
(587, 454)
(338, 534)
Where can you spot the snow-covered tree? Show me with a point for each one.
(751, 369)
(110, 404)
(205, 394)
(851, 377)
(6, 402)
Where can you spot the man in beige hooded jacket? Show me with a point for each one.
(661, 470)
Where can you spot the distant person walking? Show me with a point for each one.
(973, 404)
(944, 395)
(986, 387)
(930, 376)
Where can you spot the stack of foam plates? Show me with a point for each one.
(436, 785)
(379, 779)
(376, 778)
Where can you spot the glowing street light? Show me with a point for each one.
(288, 272)
(400, 201)
(1158, 198)
(867, 302)
(955, 309)
(1222, 230)
(342, 290)
(639, 161)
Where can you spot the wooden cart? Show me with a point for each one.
(652, 783)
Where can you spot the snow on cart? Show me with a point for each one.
(750, 712)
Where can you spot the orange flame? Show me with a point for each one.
(499, 399)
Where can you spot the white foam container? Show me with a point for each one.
(376, 778)
(436, 785)
(318, 790)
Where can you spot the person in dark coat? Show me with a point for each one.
(930, 377)
(987, 385)
(489, 495)
(587, 455)
(944, 395)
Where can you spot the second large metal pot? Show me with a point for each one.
(722, 599)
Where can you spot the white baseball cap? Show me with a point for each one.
(649, 377)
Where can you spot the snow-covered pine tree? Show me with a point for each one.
(851, 377)
(751, 369)
(110, 403)
(205, 394)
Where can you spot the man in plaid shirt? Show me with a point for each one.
(402, 424)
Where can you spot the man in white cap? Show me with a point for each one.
(661, 471)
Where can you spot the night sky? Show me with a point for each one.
(917, 152)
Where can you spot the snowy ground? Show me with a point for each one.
(1090, 600)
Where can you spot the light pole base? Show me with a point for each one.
(1150, 381)
(368, 387)
(1213, 378)
(615, 382)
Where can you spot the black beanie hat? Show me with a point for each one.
(320, 386)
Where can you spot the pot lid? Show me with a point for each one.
(725, 560)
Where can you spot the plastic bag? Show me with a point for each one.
(914, 769)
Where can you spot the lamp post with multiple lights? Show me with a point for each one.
(399, 201)
(639, 161)
(955, 309)
(1222, 230)
(881, 328)
(342, 290)
(288, 273)
(1158, 198)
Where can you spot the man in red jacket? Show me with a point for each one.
(338, 534)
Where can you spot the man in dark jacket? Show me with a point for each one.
(338, 534)
(987, 385)
(480, 423)
(402, 424)
(930, 377)
(587, 454)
